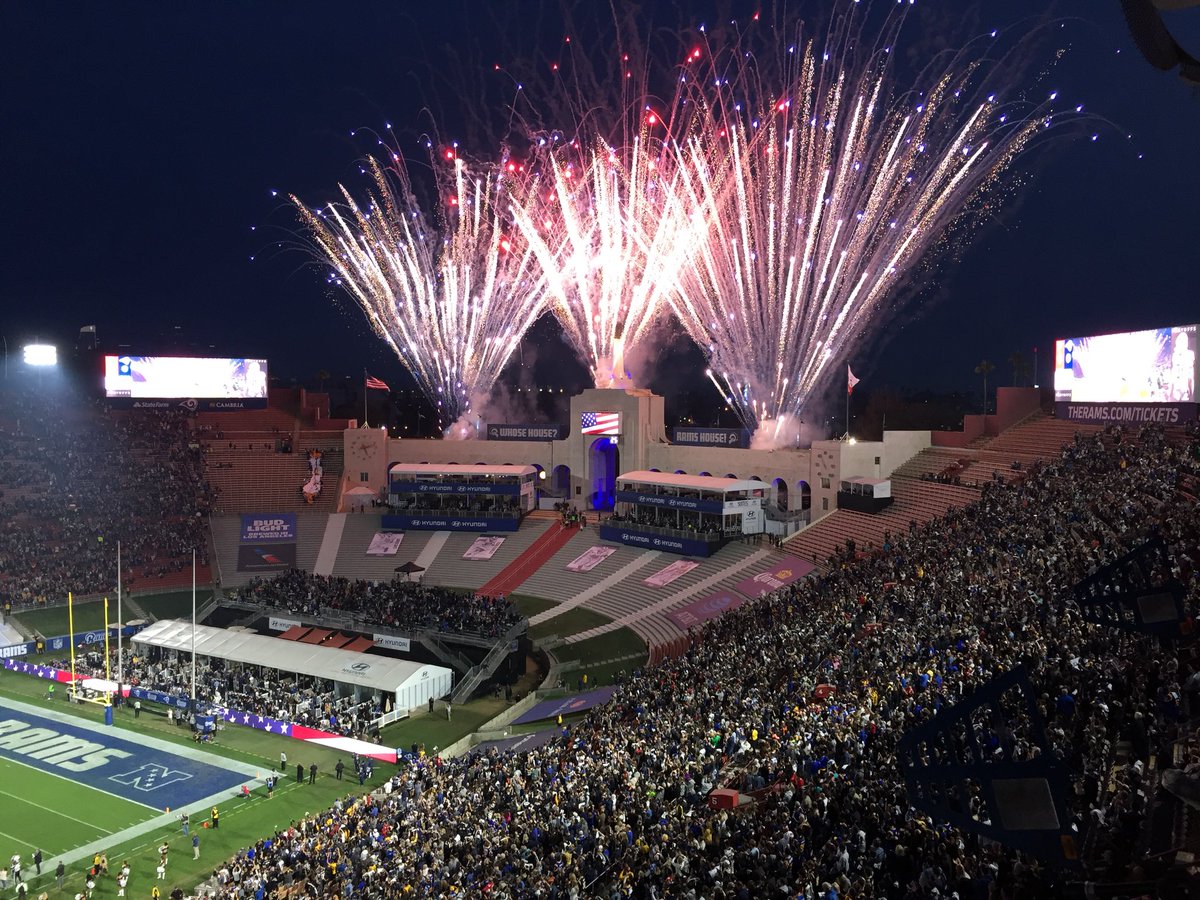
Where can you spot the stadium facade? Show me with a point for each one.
(801, 484)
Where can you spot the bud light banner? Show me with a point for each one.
(711, 437)
(258, 527)
(527, 432)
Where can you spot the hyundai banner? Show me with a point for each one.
(688, 504)
(450, 487)
(448, 523)
(651, 541)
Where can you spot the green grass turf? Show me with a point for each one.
(530, 606)
(172, 605)
(55, 813)
(242, 823)
(55, 620)
(570, 622)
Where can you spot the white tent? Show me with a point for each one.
(409, 683)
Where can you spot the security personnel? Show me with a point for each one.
(216, 817)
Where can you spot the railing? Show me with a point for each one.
(478, 673)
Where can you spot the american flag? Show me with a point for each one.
(600, 422)
(376, 384)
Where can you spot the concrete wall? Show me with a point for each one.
(1012, 405)
(901, 446)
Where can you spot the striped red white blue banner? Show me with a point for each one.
(600, 422)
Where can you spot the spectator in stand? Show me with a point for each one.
(131, 476)
(396, 604)
(617, 805)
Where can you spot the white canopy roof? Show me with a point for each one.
(692, 482)
(381, 673)
(457, 469)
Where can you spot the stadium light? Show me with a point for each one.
(41, 355)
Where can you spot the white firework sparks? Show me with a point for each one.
(452, 299)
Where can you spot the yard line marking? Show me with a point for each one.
(17, 839)
(55, 811)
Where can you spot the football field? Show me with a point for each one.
(69, 786)
(55, 815)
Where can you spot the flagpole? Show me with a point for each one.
(365, 425)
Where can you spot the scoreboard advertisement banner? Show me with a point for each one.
(711, 437)
(198, 383)
(257, 527)
(504, 432)
(1133, 377)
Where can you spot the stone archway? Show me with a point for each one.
(805, 494)
(779, 488)
(560, 481)
(605, 461)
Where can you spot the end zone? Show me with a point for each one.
(138, 768)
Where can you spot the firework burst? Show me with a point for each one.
(813, 190)
(452, 297)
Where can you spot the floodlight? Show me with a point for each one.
(41, 355)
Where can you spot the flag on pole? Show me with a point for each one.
(375, 384)
(851, 381)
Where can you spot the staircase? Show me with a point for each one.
(537, 555)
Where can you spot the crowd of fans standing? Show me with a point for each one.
(399, 603)
(79, 476)
(808, 691)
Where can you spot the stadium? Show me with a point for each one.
(537, 623)
(575, 610)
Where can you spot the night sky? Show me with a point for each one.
(140, 144)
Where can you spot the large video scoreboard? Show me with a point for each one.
(1133, 376)
(205, 383)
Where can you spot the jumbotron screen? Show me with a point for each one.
(1155, 366)
(174, 377)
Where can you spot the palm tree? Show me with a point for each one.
(985, 368)
(322, 377)
(1020, 367)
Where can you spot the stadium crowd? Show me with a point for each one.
(801, 698)
(396, 604)
(77, 477)
(296, 699)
